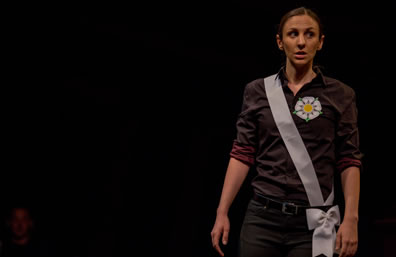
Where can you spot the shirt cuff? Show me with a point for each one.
(243, 153)
(345, 163)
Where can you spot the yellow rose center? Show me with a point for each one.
(308, 108)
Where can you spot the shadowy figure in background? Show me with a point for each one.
(20, 239)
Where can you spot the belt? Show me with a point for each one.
(288, 208)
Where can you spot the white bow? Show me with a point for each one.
(324, 235)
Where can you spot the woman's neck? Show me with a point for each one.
(298, 76)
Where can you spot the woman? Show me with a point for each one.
(324, 112)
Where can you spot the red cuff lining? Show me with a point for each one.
(243, 153)
(348, 162)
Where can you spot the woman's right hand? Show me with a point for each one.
(220, 229)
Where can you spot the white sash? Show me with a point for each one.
(323, 223)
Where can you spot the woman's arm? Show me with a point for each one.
(347, 235)
(235, 175)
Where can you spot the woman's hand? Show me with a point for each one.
(347, 238)
(221, 228)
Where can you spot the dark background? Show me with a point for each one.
(118, 119)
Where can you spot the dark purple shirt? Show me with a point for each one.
(331, 138)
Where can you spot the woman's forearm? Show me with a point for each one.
(235, 175)
(350, 180)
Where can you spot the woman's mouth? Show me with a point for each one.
(300, 54)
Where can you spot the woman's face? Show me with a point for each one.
(300, 40)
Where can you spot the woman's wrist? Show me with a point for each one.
(351, 218)
(222, 211)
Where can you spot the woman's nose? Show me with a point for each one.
(301, 41)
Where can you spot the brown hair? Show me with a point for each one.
(297, 12)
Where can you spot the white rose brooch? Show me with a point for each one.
(308, 108)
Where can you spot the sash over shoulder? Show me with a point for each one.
(323, 223)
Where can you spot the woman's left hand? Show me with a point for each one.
(347, 238)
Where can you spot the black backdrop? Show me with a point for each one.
(119, 118)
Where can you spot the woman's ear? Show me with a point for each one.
(321, 40)
(279, 42)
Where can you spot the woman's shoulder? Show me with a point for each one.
(254, 86)
(254, 90)
(338, 86)
(255, 82)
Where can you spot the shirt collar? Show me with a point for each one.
(320, 77)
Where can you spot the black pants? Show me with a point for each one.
(267, 232)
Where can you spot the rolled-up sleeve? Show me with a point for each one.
(245, 144)
(348, 152)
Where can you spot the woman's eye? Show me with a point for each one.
(293, 33)
(310, 34)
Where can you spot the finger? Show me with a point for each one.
(344, 248)
(215, 243)
(355, 247)
(218, 249)
(215, 238)
(341, 250)
(225, 236)
(338, 242)
(352, 249)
